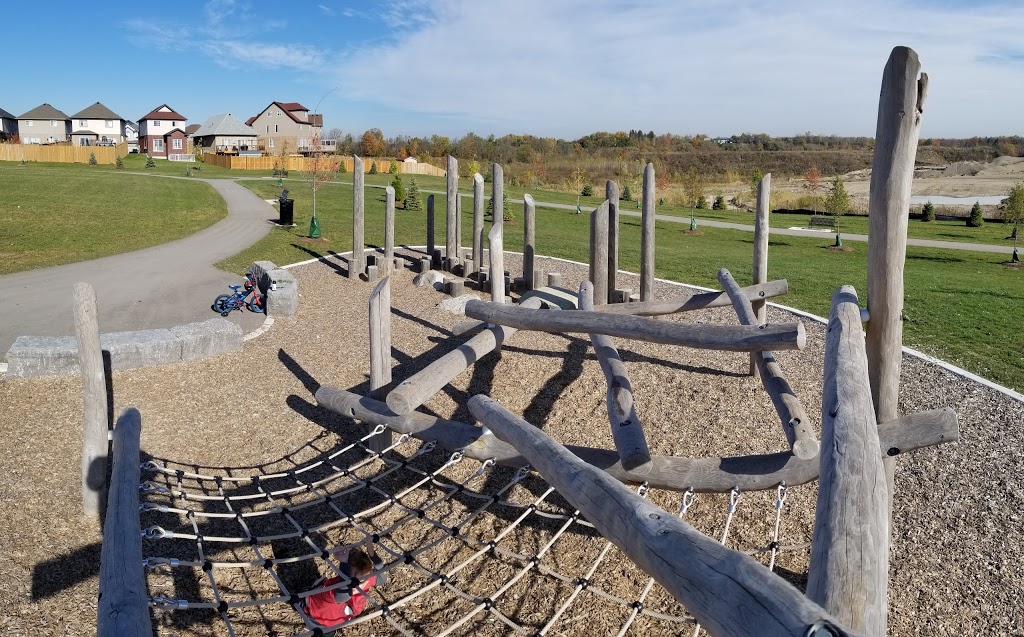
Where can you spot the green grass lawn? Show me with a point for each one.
(963, 307)
(55, 215)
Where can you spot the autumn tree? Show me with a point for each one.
(321, 167)
(1013, 212)
(694, 188)
(373, 143)
(813, 178)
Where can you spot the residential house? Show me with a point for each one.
(225, 134)
(131, 135)
(8, 125)
(44, 124)
(97, 125)
(162, 134)
(285, 127)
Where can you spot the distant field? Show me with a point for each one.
(51, 215)
(960, 306)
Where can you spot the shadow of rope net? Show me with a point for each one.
(469, 547)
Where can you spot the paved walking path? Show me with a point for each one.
(161, 286)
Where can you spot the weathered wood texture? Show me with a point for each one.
(497, 194)
(900, 107)
(94, 395)
(431, 238)
(458, 230)
(627, 431)
(478, 222)
(647, 237)
(599, 253)
(529, 239)
(761, 231)
(380, 351)
(730, 338)
(358, 263)
(849, 567)
(696, 301)
(496, 253)
(728, 592)
(705, 475)
(389, 229)
(795, 422)
(611, 193)
(451, 249)
(418, 388)
(123, 605)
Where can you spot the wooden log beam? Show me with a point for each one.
(647, 236)
(599, 253)
(389, 229)
(730, 338)
(123, 606)
(704, 475)
(900, 108)
(94, 397)
(421, 386)
(696, 301)
(529, 239)
(478, 222)
(849, 568)
(380, 351)
(728, 592)
(627, 431)
(611, 193)
(761, 231)
(358, 263)
(795, 423)
(451, 250)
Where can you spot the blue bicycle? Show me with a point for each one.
(225, 303)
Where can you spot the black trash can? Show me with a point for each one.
(287, 212)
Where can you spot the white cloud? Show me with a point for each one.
(571, 67)
(325, 9)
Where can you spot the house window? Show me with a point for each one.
(268, 128)
(82, 123)
(271, 142)
(31, 123)
(53, 122)
(174, 123)
(156, 122)
(158, 145)
(176, 144)
(275, 128)
(110, 123)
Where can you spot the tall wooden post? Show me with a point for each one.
(94, 395)
(123, 605)
(431, 246)
(496, 275)
(478, 221)
(647, 237)
(389, 229)
(611, 193)
(900, 107)
(458, 228)
(849, 570)
(529, 239)
(599, 253)
(451, 248)
(358, 263)
(498, 194)
(761, 230)
(380, 352)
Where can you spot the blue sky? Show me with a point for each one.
(559, 68)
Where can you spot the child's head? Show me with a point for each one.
(360, 563)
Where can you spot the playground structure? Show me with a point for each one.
(720, 588)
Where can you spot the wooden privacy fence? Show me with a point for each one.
(295, 162)
(62, 154)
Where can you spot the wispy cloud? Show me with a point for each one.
(325, 9)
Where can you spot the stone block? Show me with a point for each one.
(32, 356)
(141, 348)
(207, 338)
(283, 296)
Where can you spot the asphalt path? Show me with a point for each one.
(162, 286)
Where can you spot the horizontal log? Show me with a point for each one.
(697, 301)
(705, 475)
(421, 386)
(727, 591)
(627, 431)
(796, 424)
(730, 338)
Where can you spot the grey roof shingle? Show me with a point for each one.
(96, 111)
(224, 124)
(44, 111)
(4, 113)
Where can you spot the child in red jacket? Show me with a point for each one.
(333, 608)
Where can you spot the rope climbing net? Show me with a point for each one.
(469, 547)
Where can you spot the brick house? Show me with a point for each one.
(162, 134)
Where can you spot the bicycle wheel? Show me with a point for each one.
(220, 302)
(257, 304)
